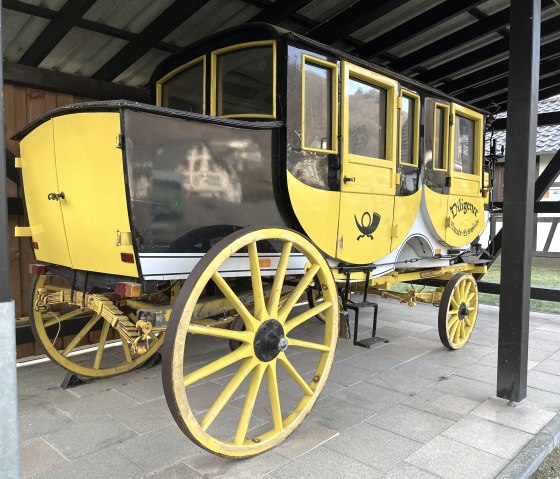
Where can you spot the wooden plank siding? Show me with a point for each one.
(21, 106)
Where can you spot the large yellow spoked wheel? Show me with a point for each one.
(243, 402)
(458, 311)
(107, 361)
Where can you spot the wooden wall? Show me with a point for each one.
(21, 106)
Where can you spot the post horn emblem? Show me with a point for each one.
(367, 225)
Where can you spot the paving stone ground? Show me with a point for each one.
(406, 409)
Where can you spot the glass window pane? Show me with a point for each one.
(464, 145)
(318, 107)
(185, 90)
(439, 138)
(408, 135)
(367, 119)
(245, 82)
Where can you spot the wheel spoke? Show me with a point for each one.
(453, 328)
(276, 410)
(452, 320)
(308, 345)
(297, 292)
(249, 404)
(310, 313)
(101, 345)
(243, 336)
(468, 321)
(126, 349)
(226, 394)
(251, 324)
(63, 317)
(457, 336)
(454, 311)
(467, 288)
(289, 367)
(258, 294)
(470, 296)
(242, 352)
(463, 333)
(278, 284)
(454, 302)
(86, 329)
(457, 295)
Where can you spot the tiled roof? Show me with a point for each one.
(548, 137)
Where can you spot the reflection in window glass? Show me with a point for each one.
(408, 135)
(464, 145)
(439, 138)
(185, 90)
(367, 119)
(318, 107)
(244, 82)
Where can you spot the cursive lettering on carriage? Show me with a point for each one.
(463, 206)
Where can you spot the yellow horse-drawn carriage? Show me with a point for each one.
(272, 167)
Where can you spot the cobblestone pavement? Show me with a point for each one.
(406, 409)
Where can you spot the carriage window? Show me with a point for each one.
(464, 145)
(318, 106)
(184, 90)
(245, 82)
(367, 119)
(440, 138)
(409, 132)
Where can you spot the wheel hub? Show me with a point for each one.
(269, 340)
(463, 311)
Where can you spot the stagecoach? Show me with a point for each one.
(271, 170)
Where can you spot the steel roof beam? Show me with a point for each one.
(279, 10)
(430, 18)
(163, 25)
(55, 31)
(487, 52)
(42, 12)
(356, 16)
(544, 119)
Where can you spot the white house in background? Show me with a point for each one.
(547, 241)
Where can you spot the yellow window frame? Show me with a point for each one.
(478, 119)
(416, 146)
(176, 71)
(391, 87)
(214, 83)
(333, 67)
(445, 138)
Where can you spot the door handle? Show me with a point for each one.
(56, 196)
(347, 179)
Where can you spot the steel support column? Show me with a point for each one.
(519, 197)
(9, 441)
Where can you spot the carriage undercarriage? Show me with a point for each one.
(256, 325)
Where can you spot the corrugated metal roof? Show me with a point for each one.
(109, 25)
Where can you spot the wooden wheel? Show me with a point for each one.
(217, 396)
(458, 311)
(106, 361)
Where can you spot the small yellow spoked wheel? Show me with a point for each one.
(106, 361)
(219, 397)
(458, 311)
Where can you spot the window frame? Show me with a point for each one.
(478, 120)
(391, 127)
(160, 83)
(214, 83)
(333, 67)
(446, 135)
(416, 146)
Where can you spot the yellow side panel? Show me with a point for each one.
(365, 224)
(90, 172)
(466, 185)
(406, 210)
(466, 219)
(40, 179)
(436, 206)
(317, 212)
(458, 220)
(369, 177)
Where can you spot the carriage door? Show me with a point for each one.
(368, 175)
(465, 207)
